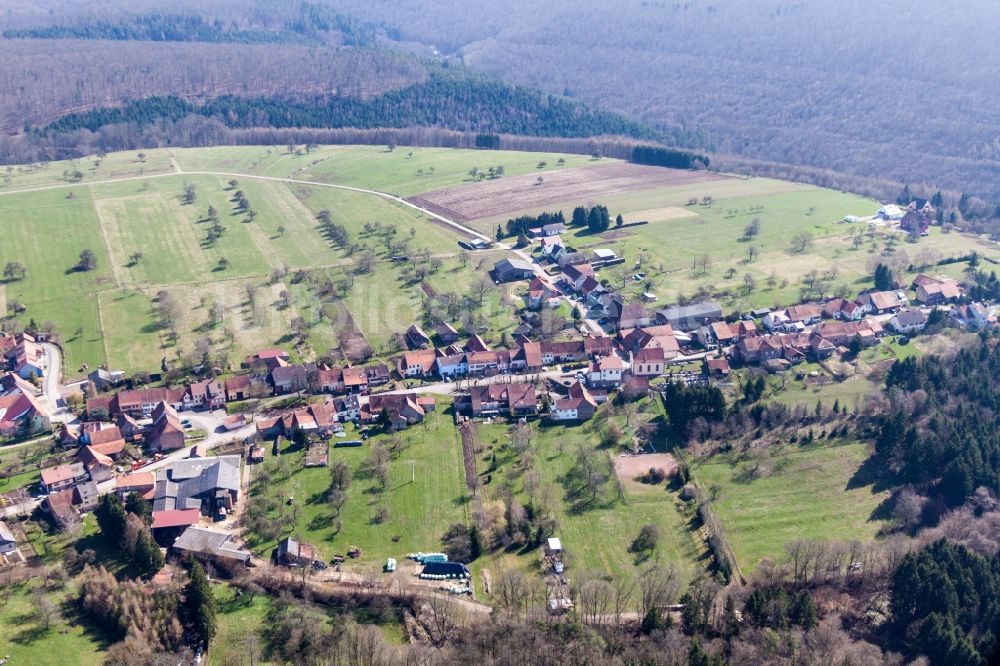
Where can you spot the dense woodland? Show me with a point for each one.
(855, 87)
(43, 80)
(455, 101)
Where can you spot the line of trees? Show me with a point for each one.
(456, 100)
(291, 23)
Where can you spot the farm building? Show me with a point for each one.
(511, 270)
(690, 317)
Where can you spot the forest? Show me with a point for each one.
(854, 87)
(451, 100)
(299, 24)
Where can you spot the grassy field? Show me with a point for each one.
(113, 166)
(616, 520)
(107, 316)
(25, 639)
(715, 231)
(405, 171)
(421, 510)
(424, 496)
(811, 493)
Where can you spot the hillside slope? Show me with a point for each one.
(859, 87)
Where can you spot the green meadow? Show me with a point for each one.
(815, 492)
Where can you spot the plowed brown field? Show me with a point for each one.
(487, 198)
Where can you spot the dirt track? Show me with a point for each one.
(495, 197)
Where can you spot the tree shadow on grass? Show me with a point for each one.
(872, 472)
(31, 634)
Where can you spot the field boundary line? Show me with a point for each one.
(115, 268)
(100, 327)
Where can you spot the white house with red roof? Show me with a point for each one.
(606, 371)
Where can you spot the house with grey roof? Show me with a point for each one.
(690, 317)
(211, 546)
(210, 485)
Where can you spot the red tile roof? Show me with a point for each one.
(175, 518)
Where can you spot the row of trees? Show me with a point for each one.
(455, 100)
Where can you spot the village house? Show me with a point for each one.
(451, 365)
(378, 374)
(566, 351)
(647, 362)
(528, 358)
(26, 358)
(937, 292)
(166, 433)
(245, 387)
(205, 394)
(86, 496)
(21, 410)
(417, 363)
(143, 483)
(347, 408)
(540, 293)
(513, 400)
(416, 338)
(548, 230)
(481, 363)
(446, 333)
(776, 321)
(806, 314)
(289, 378)
(882, 302)
(974, 316)
(140, 403)
(61, 506)
(915, 222)
(62, 477)
(512, 270)
(908, 321)
(716, 367)
(593, 291)
(578, 405)
(329, 380)
(99, 466)
(633, 315)
(597, 344)
(890, 212)
(574, 275)
(842, 334)
(104, 379)
(355, 380)
(267, 358)
(402, 410)
(552, 247)
(651, 336)
(758, 349)
(606, 372)
(722, 334)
